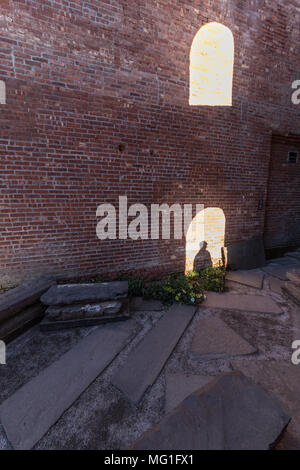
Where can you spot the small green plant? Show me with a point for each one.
(213, 279)
(182, 288)
(136, 285)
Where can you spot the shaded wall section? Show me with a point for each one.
(282, 227)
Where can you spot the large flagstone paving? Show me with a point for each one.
(252, 278)
(180, 386)
(247, 303)
(282, 379)
(214, 339)
(105, 417)
(230, 413)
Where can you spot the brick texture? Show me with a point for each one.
(97, 106)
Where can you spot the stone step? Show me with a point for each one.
(146, 361)
(243, 302)
(68, 294)
(28, 414)
(26, 294)
(81, 311)
(24, 320)
(85, 315)
(47, 326)
(230, 413)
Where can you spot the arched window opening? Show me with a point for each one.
(211, 66)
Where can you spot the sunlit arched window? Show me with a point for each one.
(211, 66)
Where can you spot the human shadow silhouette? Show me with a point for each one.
(207, 229)
(202, 258)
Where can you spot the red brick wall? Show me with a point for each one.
(282, 228)
(84, 77)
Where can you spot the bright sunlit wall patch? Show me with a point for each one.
(2, 92)
(205, 238)
(211, 66)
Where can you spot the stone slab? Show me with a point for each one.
(81, 311)
(293, 254)
(56, 325)
(47, 326)
(10, 328)
(15, 300)
(28, 414)
(180, 386)
(292, 291)
(248, 254)
(146, 361)
(243, 302)
(80, 293)
(294, 276)
(252, 278)
(278, 271)
(282, 379)
(213, 339)
(276, 285)
(139, 304)
(230, 413)
(282, 261)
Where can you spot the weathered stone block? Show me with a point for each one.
(56, 323)
(79, 293)
(46, 326)
(79, 311)
(12, 327)
(17, 299)
(249, 254)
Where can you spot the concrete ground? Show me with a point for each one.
(101, 418)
